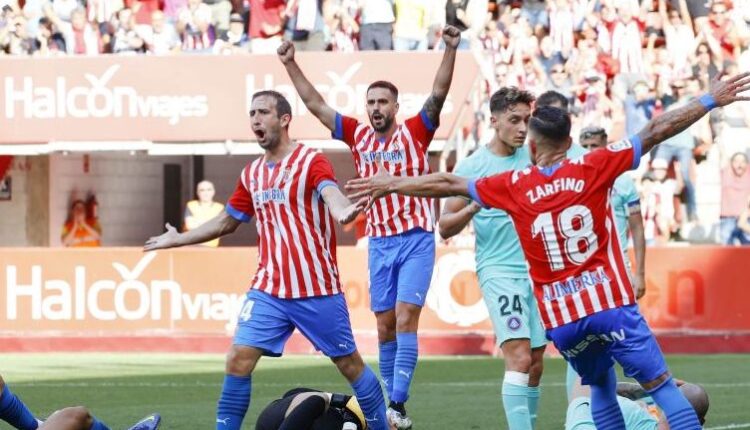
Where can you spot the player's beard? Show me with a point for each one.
(387, 122)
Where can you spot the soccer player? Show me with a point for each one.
(14, 412)
(402, 243)
(636, 405)
(626, 204)
(562, 212)
(305, 408)
(501, 266)
(291, 190)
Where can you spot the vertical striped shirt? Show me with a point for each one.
(296, 232)
(403, 154)
(564, 218)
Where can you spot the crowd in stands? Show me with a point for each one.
(618, 62)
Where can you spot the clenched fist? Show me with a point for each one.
(286, 52)
(451, 36)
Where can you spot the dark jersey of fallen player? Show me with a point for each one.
(309, 414)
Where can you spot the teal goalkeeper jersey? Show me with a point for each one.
(636, 417)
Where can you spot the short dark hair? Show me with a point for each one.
(384, 84)
(506, 97)
(282, 104)
(551, 123)
(550, 98)
(592, 131)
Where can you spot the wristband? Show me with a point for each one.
(707, 100)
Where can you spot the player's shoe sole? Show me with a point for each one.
(150, 422)
(402, 422)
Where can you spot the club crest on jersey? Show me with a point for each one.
(619, 145)
(285, 176)
(514, 323)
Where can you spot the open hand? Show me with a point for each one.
(373, 187)
(166, 240)
(451, 36)
(727, 91)
(351, 212)
(286, 52)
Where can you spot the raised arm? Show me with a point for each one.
(442, 83)
(310, 96)
(675, 121)
(216, 227)
(456, 215)
(342, 209)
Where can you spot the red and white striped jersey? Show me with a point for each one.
(296, 232)
(564, 219)
(404, 154)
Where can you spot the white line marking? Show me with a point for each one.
(730, 426)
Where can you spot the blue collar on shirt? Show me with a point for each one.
(550, 170)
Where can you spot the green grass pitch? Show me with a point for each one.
(456, 393)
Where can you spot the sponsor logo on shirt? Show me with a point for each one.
(396, 156)
(574, 285)
(275, 195)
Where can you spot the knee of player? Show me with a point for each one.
(517, 358)
(407, 319)
(386, 328)
(350, 366)
(240, 362)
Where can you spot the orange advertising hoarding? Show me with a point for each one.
(122, 291)
(202, 98)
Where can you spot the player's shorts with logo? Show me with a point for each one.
(400, 268)
(512, 307)
(593, 343)
(266, 322)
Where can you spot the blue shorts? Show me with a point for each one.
(400, 268)
(592, 345)
(266, 322)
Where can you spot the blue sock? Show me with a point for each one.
(234, 402)
(387, 358)
(98, 425)
(370, 397)
(15, 413)
(403, 369)
(680, 414)
(516, 400)
(534, 393)
(604, 407)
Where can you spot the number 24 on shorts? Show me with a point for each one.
(514, 307)
(247, 310)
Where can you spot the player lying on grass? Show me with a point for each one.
(16, 413)
(308, 409)
(562, 212)
(636, 405)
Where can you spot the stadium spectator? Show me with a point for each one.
(172, 9)
(679, 36)
(220, 14)
(412, 24)
(305, 25)
(639, 107)
(376, 30)
(49, 41)
(345, 30)
(723, 31)
(235, 40)
(161, 37)
(665, 189)
(265, 26)
(81, 38)
(100, 11)
(143, 9)
(126, 39)
(80, 231)
(63, 9)
(735, 193)
(203, 209)
(680, 148)
(655, 230)
(195, 28)
(744, 225)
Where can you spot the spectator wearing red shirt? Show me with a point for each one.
(195, 28)
(723, 30)
(143, 9)
(81, 38)
(266, 25)
(735, 192)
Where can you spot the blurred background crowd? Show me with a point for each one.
(618, 63)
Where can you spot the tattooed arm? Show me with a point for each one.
(674, 122)
(434, 104)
